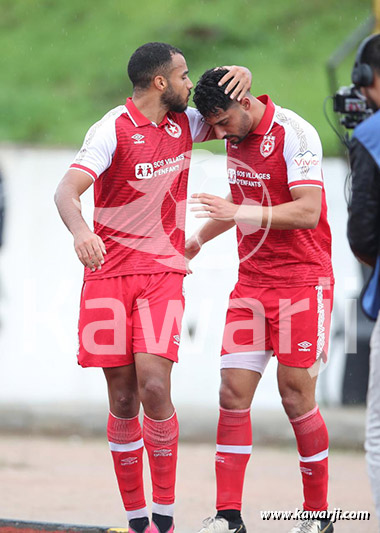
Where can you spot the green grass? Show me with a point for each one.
(63, 64)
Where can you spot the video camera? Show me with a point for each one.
(352, 106)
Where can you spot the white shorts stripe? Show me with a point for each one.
(314, 458)
(233, 449)
(129, 447)
(254, 361)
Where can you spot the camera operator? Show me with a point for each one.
(364, 232)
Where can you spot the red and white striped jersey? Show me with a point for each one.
(140, 171)
(282, 153)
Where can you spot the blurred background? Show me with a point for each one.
(63, 67)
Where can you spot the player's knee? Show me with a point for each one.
(230, 397)
(153, 392)
(123, 403)
(295, 402)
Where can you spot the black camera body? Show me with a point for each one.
(351, 105)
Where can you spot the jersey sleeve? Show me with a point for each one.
(200, 130)
(99, 146)
(303, 155)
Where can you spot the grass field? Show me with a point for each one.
(63, 64)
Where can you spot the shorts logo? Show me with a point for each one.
(304, 346)
(231, 175)
(176, 339)
(173, 129)
(144, 171)
(267, 145)
(138, 138)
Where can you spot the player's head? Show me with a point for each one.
(230, 119)
(366, 71)
(161, 67)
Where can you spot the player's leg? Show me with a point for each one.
(105, 334)
(244, 358)
(300, 341)
(126, 443)
(297, 390)
(160, 431)
(156, 330)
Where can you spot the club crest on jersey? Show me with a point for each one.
(138, 139)
(267, 145)
(173, 129)
(144, 171)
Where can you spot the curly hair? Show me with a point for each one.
(208, 96)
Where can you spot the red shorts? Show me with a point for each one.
(124, 315)
(294, 322)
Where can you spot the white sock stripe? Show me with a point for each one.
(167, 510)
(138, 513)
(128, 447)
(233, 449)
(314, 458)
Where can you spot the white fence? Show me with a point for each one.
(41, 280)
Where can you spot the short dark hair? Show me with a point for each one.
(208, 96)
(149, 60)
(371, 53)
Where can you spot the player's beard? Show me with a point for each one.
(173, 101)
(243, 130)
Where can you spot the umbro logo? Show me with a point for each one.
(304, 346)
(138, 138)
(176, 339)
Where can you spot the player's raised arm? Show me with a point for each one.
(240, 79)
(88, 246)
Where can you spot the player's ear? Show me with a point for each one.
(160, 83)
(245, 102)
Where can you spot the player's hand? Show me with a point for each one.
(213, 207)
(192, 248)
(239, 76)
(90, 249)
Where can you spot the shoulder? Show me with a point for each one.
(368, 126)
(367, 133)
(293, 123)
(108, 120)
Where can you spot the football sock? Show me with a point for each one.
(313, 448)
(161, 443)
(126, 445)
(233, 450)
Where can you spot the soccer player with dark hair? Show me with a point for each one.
(137, 157)
(282, 301)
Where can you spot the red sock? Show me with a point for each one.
(126, 445)
(233, 450)
(161, 443)
(313, 449)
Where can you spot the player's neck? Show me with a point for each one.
(257, 112)
(149, 106)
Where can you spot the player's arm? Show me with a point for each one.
(206, 233)
(88, 246)
(302, 212)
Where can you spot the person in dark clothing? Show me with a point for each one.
(364, 232)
